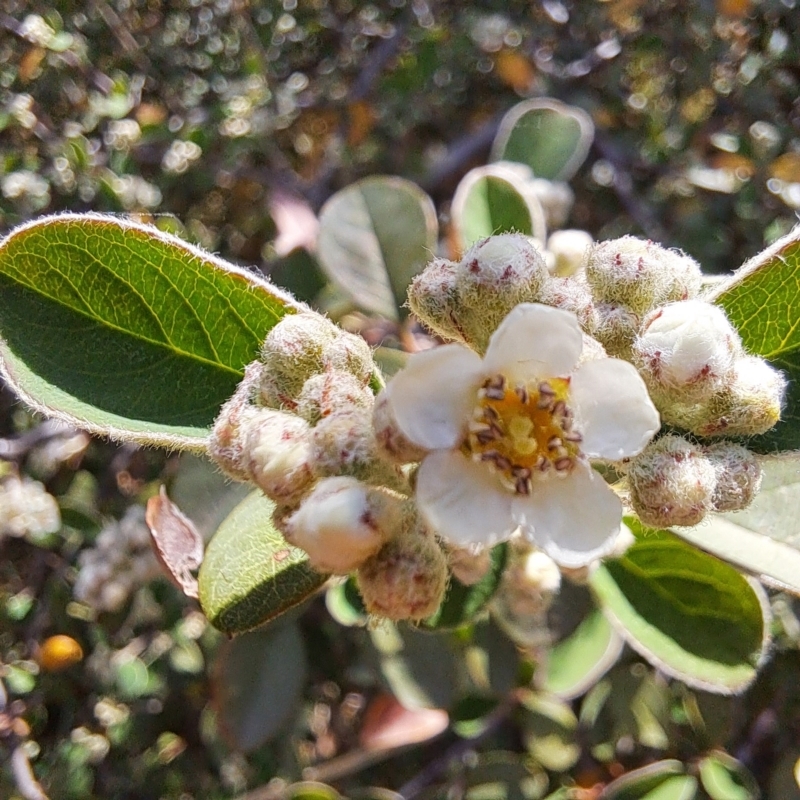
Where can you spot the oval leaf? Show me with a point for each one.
(462, 603)
(725, 778)
(764, 539)
(249, 574)
(126, 331)
(374, 237)
(495, 199)
(258, 683)
(575, 664)
(763, 302)
(692, 616)
(551, 138)
(664, 780)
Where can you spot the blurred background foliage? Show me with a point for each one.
(230, 123)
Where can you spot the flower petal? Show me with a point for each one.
(462, 501)
(534, 341)
(575, 520)
(613, 410)
(433, 396)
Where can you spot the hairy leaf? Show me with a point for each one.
(693, 616)
(249, 574)
(126, 331)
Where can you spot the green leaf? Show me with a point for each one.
(664, 780)
(374, 237)
(692, 616)
(462, 603)
(764, 539)
(575, 664)
(762, 300)
(495, 199)
(249, 573)
(258, 684)
(551, 138)
(725, 778)
(127, 331)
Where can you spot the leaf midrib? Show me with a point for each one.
(94, 317)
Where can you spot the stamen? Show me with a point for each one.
(523, 395)
(553, 443)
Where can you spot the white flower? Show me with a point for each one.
(509, 436)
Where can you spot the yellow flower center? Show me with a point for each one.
(523, 432)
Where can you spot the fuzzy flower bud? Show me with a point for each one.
(227, 440)
(570, 249)
(738, 476)
(672, 482)
(390, 439)
(303, 345)
(332, 391)
(686, 351)
(468, 300)
(341, 523)
(406, 579)
(468, 565)
(557, 199)
(616, 329)
(278, 454)
(640, 274)
(749, 404)
(571, 294)
(344, 444)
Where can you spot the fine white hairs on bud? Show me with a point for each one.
(306, 344)
(468, 300)
(277, 447)
(406, 579)
(738, 476)
(686, 352)
(749, 404)
(573, 295)
(332, 391)
(226, 444)
(344, 444)
(672, 482)
(640, 274)
(341, 523)
(616, 329)
(390, 439)
(570, 249)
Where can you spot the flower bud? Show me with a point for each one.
(640, 274)
(227, 440)
(468, 300)
(332, 391)
(671, 482)
(571, 294)
(556, 198)
(570, 249)
(292, 352)
(686, 351)
(390, 439)
(277, 451)
(341, 523)
(406, 579)
(738, 476)
(468, 565)
(749, 404)
(349, 353)
(616, 329)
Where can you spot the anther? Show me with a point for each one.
(520, 472)
(573, 436)
(523, 486)
(487, 435)
(494, 393)
(559, 409)
(563, 464)
(553, 442)
(544, 403)
(546, 388)
(542, 464)
(522, 394)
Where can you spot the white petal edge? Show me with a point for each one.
(613, 410)
(432, 397)
(575, 520)
(462, 501)
(534, 341)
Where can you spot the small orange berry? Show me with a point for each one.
(58, 653)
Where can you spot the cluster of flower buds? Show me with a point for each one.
(26, 509)
(300, 428)
(677, 482)
(119, 563)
